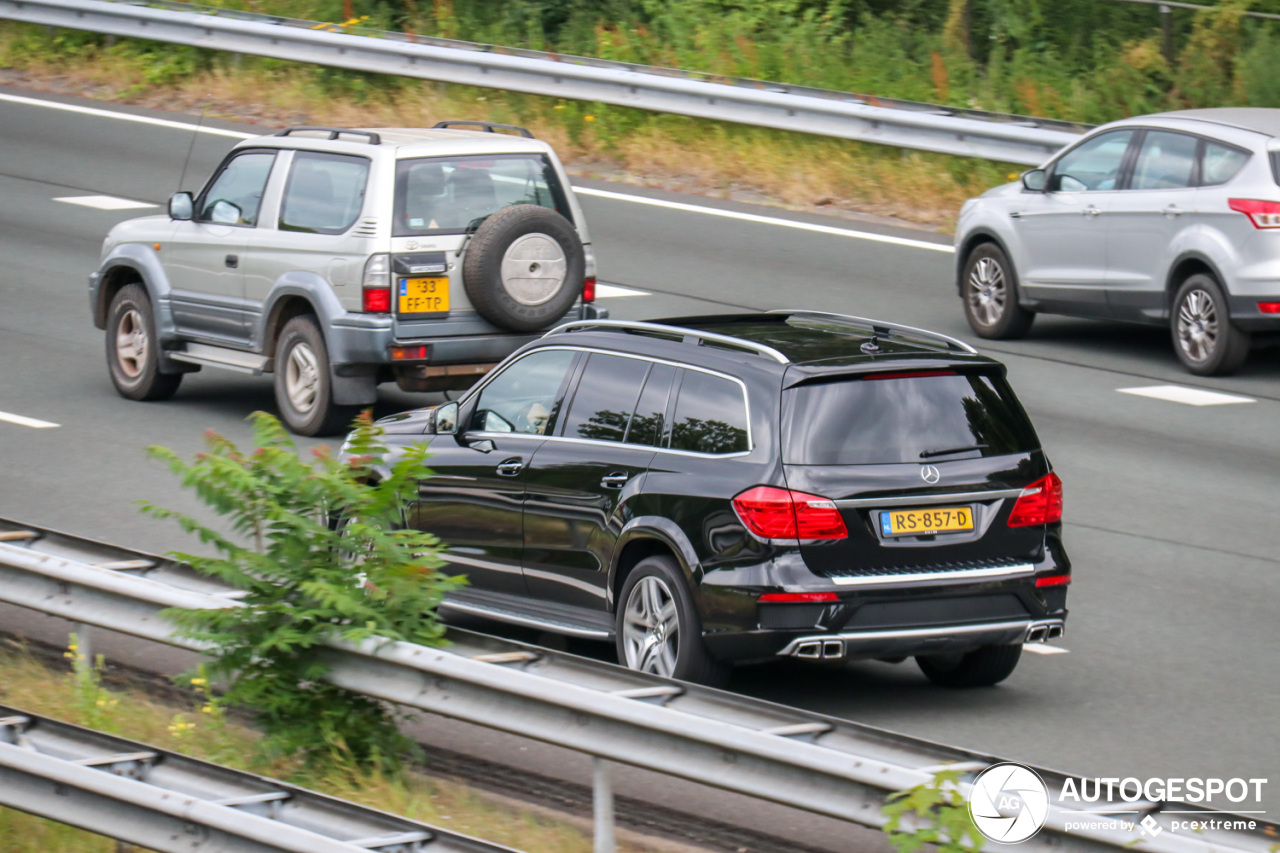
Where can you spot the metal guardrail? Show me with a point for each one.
(796, 758)
(926, 127)
(170, 803)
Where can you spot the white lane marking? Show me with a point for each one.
(154, 122)
(105, 202)
(611, 291)
(768, 220)
(1040, 649)
(26, 422)
(1185, 395)
(670, 205)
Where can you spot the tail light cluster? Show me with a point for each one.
(1263, 214)
(375, 292)
(773, 513)
(1039, 503)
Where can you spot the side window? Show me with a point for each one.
(236, 193)
(525, 397)
(711, 415)
(325, 193)
(605, 398)
(1093, 165)
(1166, 161)
(1220, 164)
(646, 423)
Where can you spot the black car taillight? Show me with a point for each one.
(1039, 503)
(773, 513)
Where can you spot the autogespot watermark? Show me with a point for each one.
(1009, 803)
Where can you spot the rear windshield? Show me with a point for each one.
(450, 195)
(904, 418)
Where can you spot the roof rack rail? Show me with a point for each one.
(334, 132)
(880, 327)
(688, 335)
(486, 126)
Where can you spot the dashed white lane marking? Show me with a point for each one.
(670, 205)
(1186, 396)
(1041, 649)
(611, 291)
(105, 202)
(154, 122)
(768, 220)
(26, 422)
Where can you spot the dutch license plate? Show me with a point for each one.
(422, 295)
(924, 522)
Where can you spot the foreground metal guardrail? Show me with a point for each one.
(783, 755)
(170, 803)
(926, 127)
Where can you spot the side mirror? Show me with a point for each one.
(1034, 180)
(181, 206)
(444, 420)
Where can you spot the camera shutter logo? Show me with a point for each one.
(1009, 803)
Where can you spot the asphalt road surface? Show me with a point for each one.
(1169, 665)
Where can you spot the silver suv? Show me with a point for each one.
(339, 259)
(1162, 219)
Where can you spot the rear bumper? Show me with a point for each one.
(905, 642)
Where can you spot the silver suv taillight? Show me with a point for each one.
(376, 285)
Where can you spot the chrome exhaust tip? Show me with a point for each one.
(1042, 632)
(833, 648)
(1056, 631)
(811, 649)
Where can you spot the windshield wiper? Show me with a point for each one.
(947, 451)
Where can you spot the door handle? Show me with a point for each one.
(233, 261)
(615, 481)
(1173, 210)
(510, 467)
(1091, 211)
(1015, 214)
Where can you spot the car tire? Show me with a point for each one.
(133, 349)
(981, 667)
(658, 629)
(1205, 339)
(524, 268)
(303, 385)
(989, 290)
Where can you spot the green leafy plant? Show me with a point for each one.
(933, 813)
(319, 552)
(93, 702)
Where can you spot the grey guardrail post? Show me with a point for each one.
(1006, 141)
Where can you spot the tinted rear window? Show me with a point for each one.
(711, 415)
(904, 419)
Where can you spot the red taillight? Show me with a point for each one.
(589, 289)
(418, 353)
(773, 513)
(376, 300)
(1039, 503)
(1053, 580)
(1269, 307)
(796, 597)
(1263, 214)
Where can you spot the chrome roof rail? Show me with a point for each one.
(880, 327)
(681, 332)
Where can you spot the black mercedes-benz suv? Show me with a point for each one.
(711, 490)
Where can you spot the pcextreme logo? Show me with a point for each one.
(1009, 803)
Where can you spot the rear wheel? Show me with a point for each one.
(978, 668)
(1205, 339)
(989, 289)
(658, 629)
(304, 388)
(133, 350)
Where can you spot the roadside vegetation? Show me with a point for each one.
(1082, 60)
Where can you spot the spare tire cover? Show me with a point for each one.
(524, 267)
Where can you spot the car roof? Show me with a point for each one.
(406, 142)
(808, 343)
(1257, 119)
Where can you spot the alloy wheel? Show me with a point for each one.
(651, 628)
(987, 291)
(1198, 325)
(302, 378)
(131, 343)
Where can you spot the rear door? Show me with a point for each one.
(924, 467)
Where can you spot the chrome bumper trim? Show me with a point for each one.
(994, 572)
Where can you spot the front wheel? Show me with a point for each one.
(133, 350)
(989, 289)
(303, 385)
(981, 667)
(1205, 339)
(658, 629)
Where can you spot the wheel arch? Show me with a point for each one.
(645, 537)
(1184, 266)
(972, 241)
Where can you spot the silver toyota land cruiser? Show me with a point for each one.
(339, 259)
